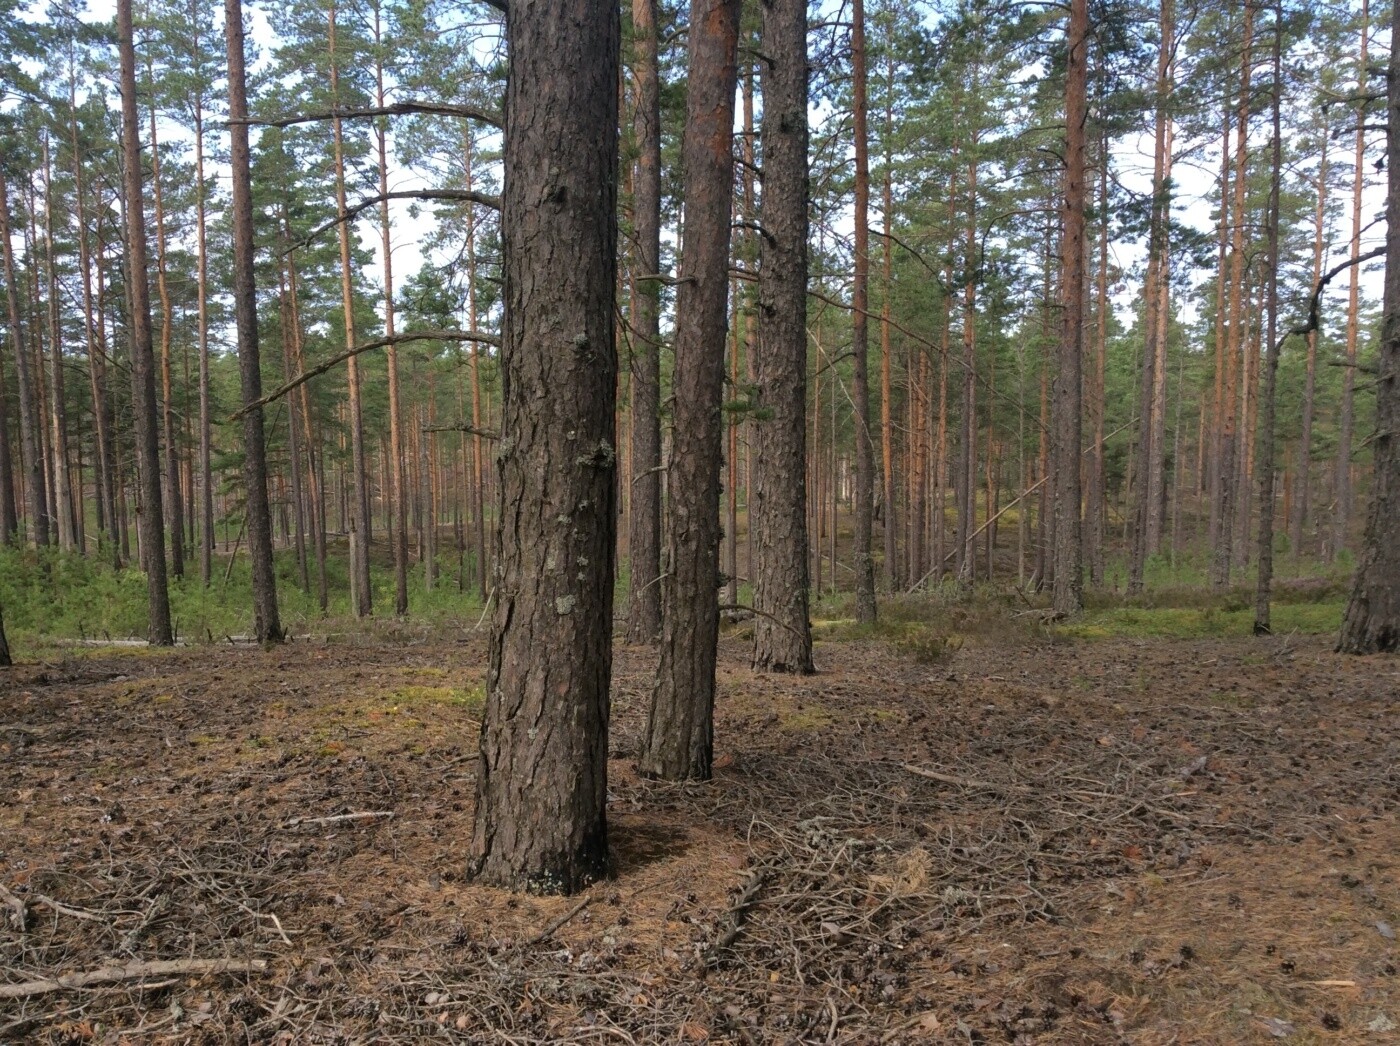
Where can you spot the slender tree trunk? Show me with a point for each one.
(679, 738)
(893, 575)
(361, 595)
(863, 554)
(967, 444)
(1068, 419)
(315, 475)
(1096, 505)
(58, 406)
(542, 779)
(30, 430)
(1217, 428)
(5, 659)
(777, 505)
(1265, 465)
(9, 518)
(142, 350)
(644, 517)
(1372, 621)
(1347, 423)
(1302, 505)
(267, 627)
(1225, 480)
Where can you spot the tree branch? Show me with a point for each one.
(1315, 302)
(456, 195)
(396, 109)
(340, 357)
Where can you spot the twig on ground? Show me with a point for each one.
(963, 782)
(555, 923)
(133, 971)
(297, 822)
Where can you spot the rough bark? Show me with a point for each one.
(679, 739)
(1068, 420)
(1372, 621)
(143, 378)
(778, 496)
(267, 627)
(863, 554)
(542, 777)
(644, 517)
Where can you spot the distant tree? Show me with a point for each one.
(4, 643)
(541, 820)
(1372, 621)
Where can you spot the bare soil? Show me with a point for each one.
(1023, 841)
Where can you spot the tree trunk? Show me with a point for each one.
(1095, 501)
(58, 405)
(863, 555)
(171, 490)
(778, 496)
(1265, 463)
(1225, 480)
(644, 518)
(30, 431)
(9, 519)
(679, 739)
(1217, 428)
(1372, 621)
(1347, 423)
(5, 659)
(143, 378)
(967, 444)
(267, 627)
(1302, 504)
(360, 591)
(1068, 420)
(542, 777)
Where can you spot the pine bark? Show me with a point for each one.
(143, 378)
(1372, 621)
(644, 518)
(863, 554)
(9, 518)
(542, 778)
(1302, 504)
(58, 399)
(267, 627)
(679, 740)
(777, 506)
(1068, 419)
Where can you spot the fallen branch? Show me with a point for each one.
(738, 913)
(397, 109)
(133, 971)
(19, 913)
(558, 921)
(297, 822)
(962, 782)
(340, 357)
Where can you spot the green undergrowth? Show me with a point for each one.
(1310, 618)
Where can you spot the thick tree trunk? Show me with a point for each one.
(863, 554)
(644, 517)
(679, 739)
(143, 378)
(30, 429)
(1265, 464)
(267, 627)
(542, 778)
(1068, 419)
(1372, 621)
(778, 496)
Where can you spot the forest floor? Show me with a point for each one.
(1014, 835)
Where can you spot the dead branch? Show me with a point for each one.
(963, 782)
(340, 357)
(409, 108)
(470, 430)
(133, 971)
(559, 920)
(737, 914)
(297, 822)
